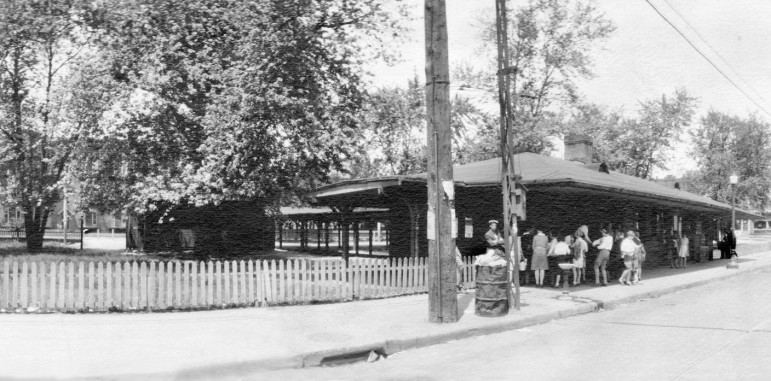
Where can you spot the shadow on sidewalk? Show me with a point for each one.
(464, 300)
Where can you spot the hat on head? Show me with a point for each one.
(492, 222)
(630, 234)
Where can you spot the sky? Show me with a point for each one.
(645, 57)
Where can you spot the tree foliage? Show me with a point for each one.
(551, 48)
(393, 139)
(46, 105)
(636, 145)
(160, 102)
(726, 145)
(229, 100)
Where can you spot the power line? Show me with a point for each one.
(707, 58)
(746, 84)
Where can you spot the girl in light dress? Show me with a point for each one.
(579, 249)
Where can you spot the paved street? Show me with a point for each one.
(721, 331)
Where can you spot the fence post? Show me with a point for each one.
(143, 286)
(185, 283)
(61, 278)
(273, 292)
(194, 284)
(6, 287)
(210, 283)
(218, 273)
(151, 286)
(250, 282)
(32, 284)
(52, 288)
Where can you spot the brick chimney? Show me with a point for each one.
(578, 148)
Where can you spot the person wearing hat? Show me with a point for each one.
(628, 247)
(493, 239)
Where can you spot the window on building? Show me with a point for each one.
(90, 219)
(12, 216)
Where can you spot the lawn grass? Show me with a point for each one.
(58, 252)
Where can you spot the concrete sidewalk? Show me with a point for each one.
(238, 341)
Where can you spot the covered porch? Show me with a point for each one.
(561, 196)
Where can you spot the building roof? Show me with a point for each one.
(542, 172)
(298, 210)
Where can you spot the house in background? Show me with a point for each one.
(12, 217)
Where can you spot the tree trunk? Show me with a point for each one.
(35, 220)
(134, 234)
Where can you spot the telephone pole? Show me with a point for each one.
(512, 197)
(442, 298)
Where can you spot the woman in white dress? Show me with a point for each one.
(683, 251)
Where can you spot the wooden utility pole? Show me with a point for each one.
(509, 173)
(442, 299)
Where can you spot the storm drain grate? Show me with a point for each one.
(352, 357)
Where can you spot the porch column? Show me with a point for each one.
(630, 219)
(326, 235)
(345, 217)
(370, 236)
(302, 234)
(318, 235)
(414, 230)
(280, 234)
(356, 236)
(698, 238)
(344, 240)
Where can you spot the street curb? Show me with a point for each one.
(387, 347)
(391, 346)
(611, 304)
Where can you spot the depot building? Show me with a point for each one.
(561, 195)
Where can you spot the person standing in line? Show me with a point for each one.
(674, 250)
(540, 264)
(683, 249)
(561, 252)
(579, 249)
(583, 231)
(459, 265)
(628, 246)
(639, 258)
(604, 244)
(552, 243)
(728, 244)
(525, 257)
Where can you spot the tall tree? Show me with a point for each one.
(604, 127)
(726, 145)
(645, 143)
(392, 132)
(230, 100)
(45, 105)
(551, 50)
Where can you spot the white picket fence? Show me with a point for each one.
(100, 286)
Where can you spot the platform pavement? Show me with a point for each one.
(208, 344)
